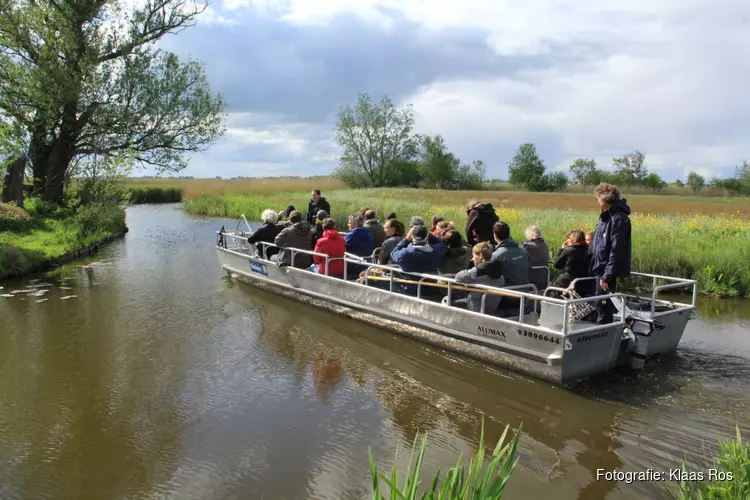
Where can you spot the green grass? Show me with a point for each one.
(155, 195)
(39, 239)
(733, 458)
(669, 237)
(477, 482)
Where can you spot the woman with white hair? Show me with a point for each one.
(266, 233)
(538, 256)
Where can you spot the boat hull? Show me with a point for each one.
(520, 344)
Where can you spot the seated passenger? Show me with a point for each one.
(298, 236)
(538, 256)
(334, 246)
(436, 219)
(482, 275)
(390, 216)
(359, 239)
(394, 231)
(284, 217)
(375, 227)
(456, 257)
(317, 230)
(419, 251)
(514, 258)
(266, 233)
(572, 258)
(416, 220)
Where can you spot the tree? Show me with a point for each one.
(679, 183)
(742, 173)
(438, 167)
(526, 169)
(84, 78)
(653, 181)
(593, 178)
(581, 168)
(695, 181)
(472, 176)
(376, 139)
(556, 181)
(630, 167)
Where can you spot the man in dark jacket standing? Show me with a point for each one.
(611, 246)
(481, 218)
(316, 204)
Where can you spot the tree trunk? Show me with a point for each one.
(13, 187)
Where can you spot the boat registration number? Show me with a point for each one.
(539, 336)
(259, 268)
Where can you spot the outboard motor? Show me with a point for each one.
(221, 239)
(638, 332)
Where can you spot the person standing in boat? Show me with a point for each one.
(316, 204)
(298, 235)
(266, 233)
(479, 226)
(611, 253)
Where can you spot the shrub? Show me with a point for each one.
(13, 218)
(98, 217)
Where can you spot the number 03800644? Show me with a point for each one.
(538, 336)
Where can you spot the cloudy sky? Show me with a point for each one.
(578, 79)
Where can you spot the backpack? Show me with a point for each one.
(490, 211)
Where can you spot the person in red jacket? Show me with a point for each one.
(334, 246)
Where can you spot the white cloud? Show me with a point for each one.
(604, 78)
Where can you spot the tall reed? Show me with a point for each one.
(477, 482)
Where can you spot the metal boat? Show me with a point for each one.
(537, 337)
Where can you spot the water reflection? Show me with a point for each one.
(162, 378)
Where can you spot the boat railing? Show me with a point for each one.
(442, 281)
(655, 288)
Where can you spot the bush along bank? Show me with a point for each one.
(40, 237)
(141, 195)
(713, 249)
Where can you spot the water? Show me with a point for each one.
(162, 378)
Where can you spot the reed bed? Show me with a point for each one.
(713, 247)
(194, 188)
(140, 195)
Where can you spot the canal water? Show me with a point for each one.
(149, 374)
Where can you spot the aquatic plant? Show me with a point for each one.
(155, 195)
(477, 482)
(731, 479)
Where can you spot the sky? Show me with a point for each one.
(578, 79)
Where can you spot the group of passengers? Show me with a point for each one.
(494, 258)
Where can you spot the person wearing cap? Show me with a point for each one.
(317, 230)
(375, 227)
(316, 204)
(419, 251)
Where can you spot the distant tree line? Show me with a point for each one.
(380, 149)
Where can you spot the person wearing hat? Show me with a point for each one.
(419, 252)
(317, 231)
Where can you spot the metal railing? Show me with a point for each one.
(450, 284)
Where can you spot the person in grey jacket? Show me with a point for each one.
(538, 256)
(481, 253)
(298, 235)
(513, 257)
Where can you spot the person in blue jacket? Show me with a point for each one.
(611, 254)
(419, 252)
(359, 239)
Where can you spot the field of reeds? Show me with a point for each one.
(140, 195)
(707, 239)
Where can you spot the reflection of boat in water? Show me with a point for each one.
(547, 345)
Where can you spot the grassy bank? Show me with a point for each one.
(29, 239)
(705, 240)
